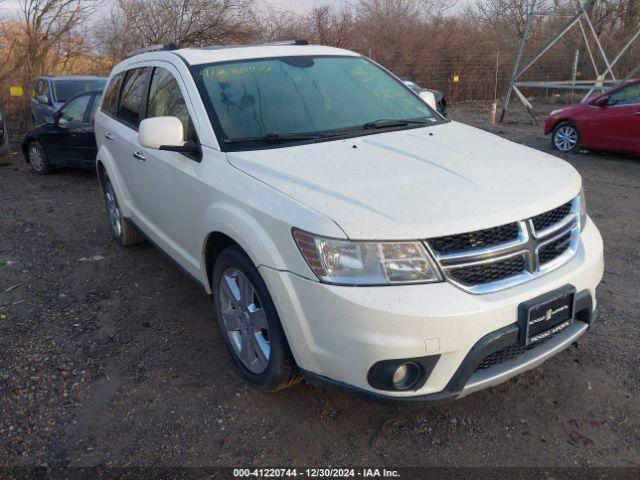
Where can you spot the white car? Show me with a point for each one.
(347, 232)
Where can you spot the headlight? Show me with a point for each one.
(344, 262)
(555, 112)
(583, 209)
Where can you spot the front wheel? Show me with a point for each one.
(124, 232)
(250, 324)
(38, 159)
(566, 137)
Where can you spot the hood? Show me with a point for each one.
(419, 183)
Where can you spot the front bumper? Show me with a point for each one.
(337, 333)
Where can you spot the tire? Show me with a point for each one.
(121, 228)
(243, 311)
(38, 159)
(566, 137)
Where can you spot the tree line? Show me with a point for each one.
(443, 44)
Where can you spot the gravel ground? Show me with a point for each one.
(112, 356)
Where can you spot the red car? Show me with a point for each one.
(608, 122)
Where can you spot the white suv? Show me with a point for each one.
(347, 232)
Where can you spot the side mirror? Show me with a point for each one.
(167, 133)
(159, 132)
(429, 98)
(42, 99)
(602, 101)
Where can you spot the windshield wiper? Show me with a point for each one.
(385, 123)
(274, 137)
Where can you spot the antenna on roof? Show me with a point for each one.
(154, 48)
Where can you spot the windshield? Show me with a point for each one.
(298, 96)
(65, 89)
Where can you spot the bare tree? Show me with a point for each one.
(138, 23)
(331, 27)
(45, 25)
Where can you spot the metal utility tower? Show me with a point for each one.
(577, 10)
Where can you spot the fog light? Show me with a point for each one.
(406, 375)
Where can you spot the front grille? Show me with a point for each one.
(477, 239)
(550, 218)
(488, 272)
(553, 250)
(508, 353)
(523, 248)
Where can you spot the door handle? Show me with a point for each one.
(637, 114)
(139, 156)
(108, 136)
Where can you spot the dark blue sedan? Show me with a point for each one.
(67, 139)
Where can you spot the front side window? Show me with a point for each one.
(166, 100)
(45, 90)
(304, 95)
(73, 112)
(65, 89)
(131, 96)
(625, 96)
(38, 90)
(110, 102)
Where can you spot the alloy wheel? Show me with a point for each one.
(113, 210)
(566, 138)
(36, 158)
(244, 320)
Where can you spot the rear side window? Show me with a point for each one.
(110, 104)
(94, 106)
(132, 96)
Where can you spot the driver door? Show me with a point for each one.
(174, 192)
(67, 140)
(619, 121)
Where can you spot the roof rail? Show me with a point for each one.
(300, 42)
(154, 48)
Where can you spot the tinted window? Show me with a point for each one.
(131, 96)
(94, 107)
(626, 96)
(73, 112)
(65, 89)
(38, 89)
(45, 90)
(305, 95)
(166, 100)
(110, 103)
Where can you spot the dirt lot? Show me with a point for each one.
(112, 357)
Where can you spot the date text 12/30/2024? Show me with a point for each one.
(315, 473)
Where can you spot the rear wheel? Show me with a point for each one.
(566, 137)
(124, 232)
(38, 159)
(250, 324)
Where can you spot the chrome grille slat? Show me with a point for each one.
(497, 260)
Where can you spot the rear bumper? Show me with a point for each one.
(338, 333)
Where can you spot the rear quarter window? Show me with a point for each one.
(110, 103)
